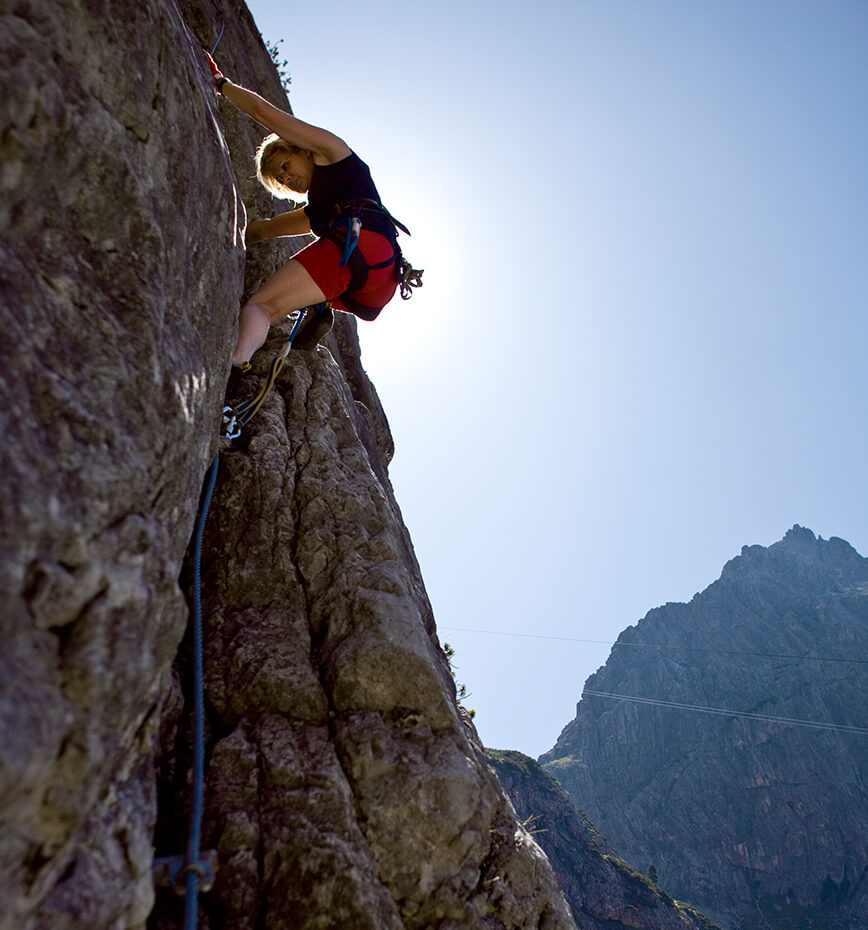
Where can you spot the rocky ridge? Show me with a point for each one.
(605, 893)
(758, 822)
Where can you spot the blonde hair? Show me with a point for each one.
(270, 150)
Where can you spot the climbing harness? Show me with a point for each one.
(234, 418)
(344, 231)
(351, 238)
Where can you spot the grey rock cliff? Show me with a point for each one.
(120, 273)
(345, 788)
(344, 781)
(759, 823)
(605, 893)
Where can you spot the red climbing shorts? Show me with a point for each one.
(322, 261)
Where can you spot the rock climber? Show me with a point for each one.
(298, 159)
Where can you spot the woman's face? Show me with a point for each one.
(295, 170)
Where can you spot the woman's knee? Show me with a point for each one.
(275, 311)
(256, 313)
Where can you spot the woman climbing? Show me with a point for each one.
(355, 265)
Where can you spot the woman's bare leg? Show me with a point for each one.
(253, 328)
(290, 288)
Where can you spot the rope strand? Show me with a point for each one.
(193, 868)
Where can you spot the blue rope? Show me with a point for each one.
(219, 37)
(191, 905)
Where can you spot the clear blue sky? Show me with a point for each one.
(641, 343)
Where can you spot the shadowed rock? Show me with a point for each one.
(345, 788)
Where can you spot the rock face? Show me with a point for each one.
(344, 784)
(758, 822)
(120, 271)
(345, 787)
(604, 892)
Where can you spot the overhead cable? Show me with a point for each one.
(667, 646)
(723, 712)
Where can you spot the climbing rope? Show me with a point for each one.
(219, 37)
(191, 873)
(194, 869)
(197, 873)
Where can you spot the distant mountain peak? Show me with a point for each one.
(801, 558)
(718, 756)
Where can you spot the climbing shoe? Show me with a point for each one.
(314, 329)
(236, 381)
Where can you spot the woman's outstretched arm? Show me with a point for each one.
(320, 142)
(325, 146)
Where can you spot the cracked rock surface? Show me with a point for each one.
(345, 789)
(120, 271)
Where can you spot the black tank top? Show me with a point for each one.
(338, 184)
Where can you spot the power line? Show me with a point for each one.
(721, 712)
(668, 646)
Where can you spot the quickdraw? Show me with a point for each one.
(351, 237)
(408, 278)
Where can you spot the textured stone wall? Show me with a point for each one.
(121, 265)
(345, 786)
(346, 789)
